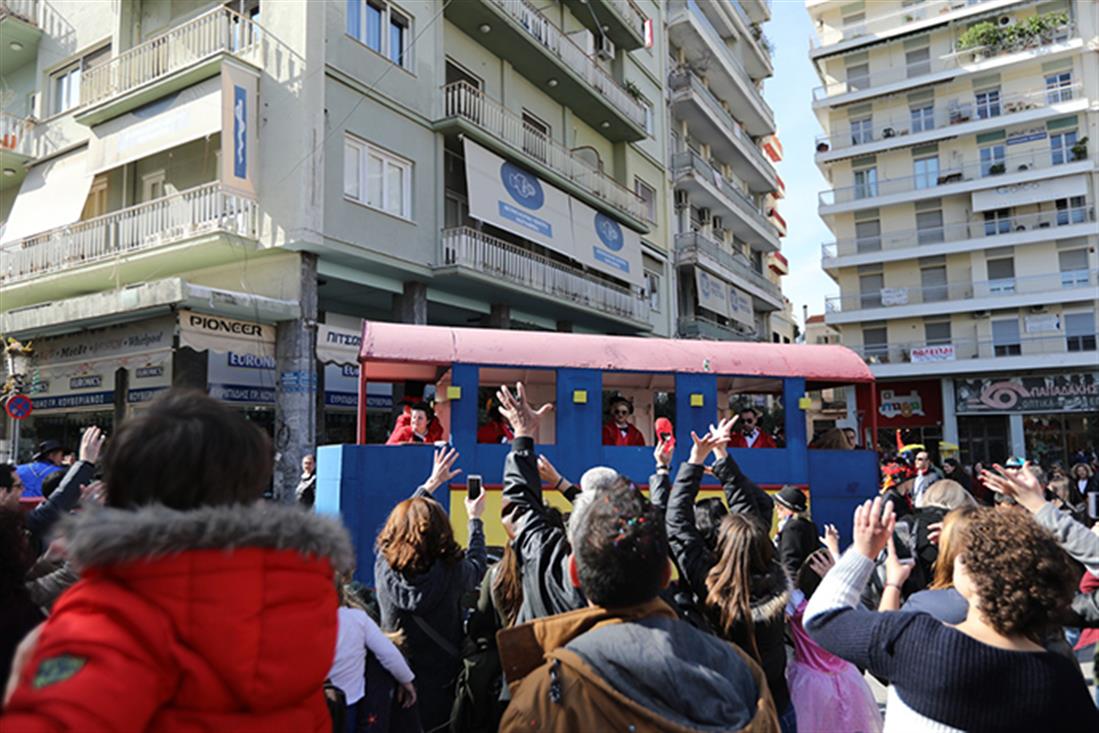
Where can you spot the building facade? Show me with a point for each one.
(962, 201)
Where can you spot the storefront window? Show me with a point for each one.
(1056, 437)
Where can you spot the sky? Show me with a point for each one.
(790, 94)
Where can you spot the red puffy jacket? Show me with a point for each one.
(189, 621)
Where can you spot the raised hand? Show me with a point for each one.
(518, 412)
(704, 446)
(547, 472)
(93, 493)
(91, 443)
(442, 470)
(475, 508)
(896, 570)
(725, 430)
(1022, 485)
(873, 527)
(934, 532)
(831, 540)
(662, 453)
(821, 562)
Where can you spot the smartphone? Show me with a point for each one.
(473, 486)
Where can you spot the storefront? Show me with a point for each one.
(338, 351)
(910, 412)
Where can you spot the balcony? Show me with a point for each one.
(963, 236)
(485, 119)
(759, 11)
(964, 295)
(954, 118)
(22, 25)
(553, 62)
(200, 227)
(178, 58)
(759, 61)
(696, 249)
(691, 31)
(709, 188)
(697, 327)
(695, 104)
(944, 68)
(495, 262)
(17, 143)
(621, 20)
(951, 178)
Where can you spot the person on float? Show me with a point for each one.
(619, 430)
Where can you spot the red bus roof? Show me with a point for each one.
(396, 352)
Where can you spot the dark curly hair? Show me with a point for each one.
(1022, 576)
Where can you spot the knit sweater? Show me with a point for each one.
(943, 679)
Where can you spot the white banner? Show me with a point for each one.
(605, 245)
(203, 332)
(713, 294)
(943, 352)
(740, 307)
(1030, 192)
(1043, 323)
(239, 120)
(894, 296)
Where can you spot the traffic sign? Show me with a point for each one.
(18, 406)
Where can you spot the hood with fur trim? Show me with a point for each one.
(770, 594)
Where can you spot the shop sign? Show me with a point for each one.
(900, 405)
(205, 332)
(894, 296)
(921, 354)
(1059, 393)
(70, 401)
(1026, 136)
(90, 381)
(916, 403)
(149, 372)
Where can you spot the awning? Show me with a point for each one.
(51, 196)
(338, 345)
(187, 115)
(1029, 192)
(203, 332)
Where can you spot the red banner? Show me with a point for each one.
(910, 404)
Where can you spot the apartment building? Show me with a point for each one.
(722, 149)
(215, 194)
(962, 202)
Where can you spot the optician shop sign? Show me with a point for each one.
(1057, 393)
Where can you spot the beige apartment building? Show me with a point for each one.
(959, 148)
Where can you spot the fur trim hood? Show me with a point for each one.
(770, 594)
(105, 536)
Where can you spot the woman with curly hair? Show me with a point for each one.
(987, 672)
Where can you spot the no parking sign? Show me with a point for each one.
(18, 406)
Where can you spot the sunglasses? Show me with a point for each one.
(621, 413)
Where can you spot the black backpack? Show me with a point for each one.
(477, 704)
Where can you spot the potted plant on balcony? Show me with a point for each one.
(982, 38)
(1080, 149)
(996, 169)
(633, 90)
(822, 147)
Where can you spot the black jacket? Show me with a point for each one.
(796, 541)
(769, 592)
(64, 498)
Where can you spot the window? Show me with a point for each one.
(96, 203)
(65, 83)
(918, 62)
(1074, 267)
(1059, 87)
(933, 283)
(152, 185)
(861, 131)
(647, 194)
(382, 28)
(1001, 275)
(1005, 337)
(936, 334)
(536, 136)
(650, 122)
(858, 77)
(1071, 211)
(875, 343)
(929, 227)
(1080, 331)
(923, 117)
(870, 287)
(377, 178)
(997, 221)
(455, 211)
(868, 236)
(993, 159)
(652, 287)
(1060, 146)
(926, 171)
(988, 104)
(866, 183)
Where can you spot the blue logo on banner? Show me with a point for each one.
(240, 131)
(609, 232)
(523, 187)
(534, 223)
(704, 281)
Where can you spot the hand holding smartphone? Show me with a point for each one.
(474, 486)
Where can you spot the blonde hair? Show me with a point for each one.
(947, 494)
(1088, 473)
(952, 542)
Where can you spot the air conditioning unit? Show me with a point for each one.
(981, 314)
(1005, 20)
(1037, 309)
(681, 199)
(704, 216)
(604, 47)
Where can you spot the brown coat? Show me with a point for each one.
(554, 689)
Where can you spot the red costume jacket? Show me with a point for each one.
(763, 441)
(613, 436)
(402, 431)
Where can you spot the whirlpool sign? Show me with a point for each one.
(515, 199)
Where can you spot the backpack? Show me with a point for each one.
(477, 703)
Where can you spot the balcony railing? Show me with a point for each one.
(574, 57)
(629, 12)
(896, 20)
(683, 79)
(1053, 282)
(946, 114)
(958, 232)
(469, 248)
(948, 62)
(197, 211)
(688, 162)
(698, 327)
(973, 348)
(948, 172)
(219, 31)
(464, 101)
(41, 14)
(17, 135)
(691, 244)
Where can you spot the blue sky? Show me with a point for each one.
(789, 92)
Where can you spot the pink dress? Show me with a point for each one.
(829, 694)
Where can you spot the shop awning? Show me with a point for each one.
(1029, 192)
(51, 196)
(338, 345)
(204, 332)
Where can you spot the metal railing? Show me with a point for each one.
(895, 20)
(497, 258)
(465, 101)
(218, 31)
(628, 11)
(17, 134)
(948, 172)
(958, 232)
(699, 327)
(574, 57)
(947, 113)
(683, 79)
(196, 211)
(946, 62)
(974, 348)
(689, 162)
(41, 14)
(1053, 282)
(690, 245)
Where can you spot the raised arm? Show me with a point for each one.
(689, 549)
(67, 495)
(660, 482)
(476, 560)
(741, 493)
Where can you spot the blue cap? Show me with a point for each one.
(1015, 462)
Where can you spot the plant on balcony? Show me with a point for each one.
(983, 34)
(633, 90)
(1080, 149)
(996, 169)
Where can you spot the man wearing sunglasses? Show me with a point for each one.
(618, 430)
(750, 436)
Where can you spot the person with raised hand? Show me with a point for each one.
(67, 495)
(741, 493)
(987, 672)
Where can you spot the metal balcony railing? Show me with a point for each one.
(199, 210)
(958, 232)
(497, 258)
(974, 348)
(629, 12)
(689, 245)
(574, 57)
(218, 31)
(946, 114)
(948, 62)
(952, 292)
(464, 101)
(699, 327)
(947, 172)
(689, 162)
(17, 135)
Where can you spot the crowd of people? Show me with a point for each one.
(170, 597)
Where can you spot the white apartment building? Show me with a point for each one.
(722, 149)
(959, 145)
